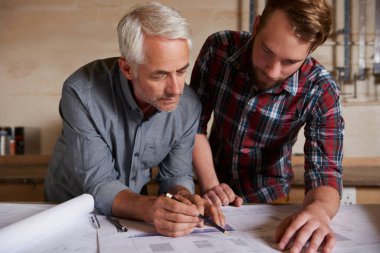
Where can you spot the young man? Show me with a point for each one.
(262, 88)
(122, 116)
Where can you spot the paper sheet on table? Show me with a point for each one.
(142, 229)
(143, 238)
(23, 232)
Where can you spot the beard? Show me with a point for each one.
(159, 102)
(262, 81)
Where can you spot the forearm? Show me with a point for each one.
(203, 163)
(128, 204)
(325, 198)
(131, 205)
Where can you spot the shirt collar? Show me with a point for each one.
(290, 85)
(130, 101)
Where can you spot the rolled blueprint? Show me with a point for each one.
(15, 236)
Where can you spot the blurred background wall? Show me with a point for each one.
(44, 41)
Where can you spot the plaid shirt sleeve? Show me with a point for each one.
(199, 83)
(324, 139)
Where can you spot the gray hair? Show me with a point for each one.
(153, 19)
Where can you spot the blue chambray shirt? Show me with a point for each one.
(106, 146)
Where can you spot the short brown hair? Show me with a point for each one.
(311, 19)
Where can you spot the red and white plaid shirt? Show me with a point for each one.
(253, 132)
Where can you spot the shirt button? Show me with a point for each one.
(137, 154)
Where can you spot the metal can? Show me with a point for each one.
(4, 143)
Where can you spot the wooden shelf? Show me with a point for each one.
(363, 173)
(356, 171)
(22, 178)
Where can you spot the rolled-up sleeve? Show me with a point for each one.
(88, 158)
(324, 142)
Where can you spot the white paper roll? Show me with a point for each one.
(15, 236)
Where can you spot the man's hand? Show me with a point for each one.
(222, 195)
(310, 227)
(305, 226)
(217, 194)
(206, 208)
(170, 217)
(173, 218)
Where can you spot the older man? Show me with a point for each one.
(122, 116)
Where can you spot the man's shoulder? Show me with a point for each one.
(312, 67)
(93, 74)
(228, 38)
(313, 72)
(189, 102)
(189, 96)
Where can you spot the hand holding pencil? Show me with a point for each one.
(176, 218)
(214, 210)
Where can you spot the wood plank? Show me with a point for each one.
(22, 178)
(21, 192)
(356, 171)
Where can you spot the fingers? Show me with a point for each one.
(303, 236)
(280, 230)
(319, 238)
(179, 216)
(183, 199)
(174, 218)
(295, 223)
(300, 230)
(182, 206)
(213, 198)
(229, 195)
(175, 225)
(329, 243)
(238, 201)
(199, 203)
(174, 229)
(207, 208)
(216, 214)
(222, 195)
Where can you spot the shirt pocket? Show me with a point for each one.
(267, 131)
(153, 154)
(282, 130)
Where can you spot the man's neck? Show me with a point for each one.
(147, 110)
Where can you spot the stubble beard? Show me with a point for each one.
(261, 85)
(155, 102)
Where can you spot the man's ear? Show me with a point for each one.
(125, 68)
(256, 25)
